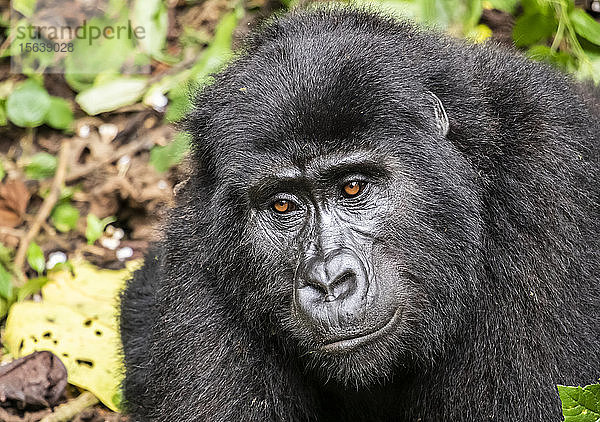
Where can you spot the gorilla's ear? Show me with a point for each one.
(441, 118)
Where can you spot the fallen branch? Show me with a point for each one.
(44, 211)
(66, 412)
(129, 149)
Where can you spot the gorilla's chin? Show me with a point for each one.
(359, 365)
(357, 341)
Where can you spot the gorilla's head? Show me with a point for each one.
(347, 222)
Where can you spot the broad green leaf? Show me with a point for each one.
(530, 7)
(529, 29)
(585, 25)
(41, 166)
(95, 227)
(580, 404)
(2, 172)
(6, 285)
(59, 115)
(64, 217)
(163, 158)
(111, 95)
(152, 16)
(35, 257)
(28, 104)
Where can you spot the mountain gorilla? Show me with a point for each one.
(383, 224)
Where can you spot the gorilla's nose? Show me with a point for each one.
(330, 284)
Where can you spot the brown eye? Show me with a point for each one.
(353, 188)
(283, 205)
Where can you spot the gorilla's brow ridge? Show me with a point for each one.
(329, 169)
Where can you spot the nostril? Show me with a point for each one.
(320, 287)
(343, 285)
(343, 279)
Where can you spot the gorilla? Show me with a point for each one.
(382, 224)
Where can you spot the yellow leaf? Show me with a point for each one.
(77, 321)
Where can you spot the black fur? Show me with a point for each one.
(498, 229)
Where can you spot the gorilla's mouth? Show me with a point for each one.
(350, 343)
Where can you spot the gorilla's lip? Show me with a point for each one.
(353, 342)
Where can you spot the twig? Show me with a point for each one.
(129, 149)
(12, 232)
(66, 412)
(44, 212)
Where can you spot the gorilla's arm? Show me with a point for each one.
(197, 362)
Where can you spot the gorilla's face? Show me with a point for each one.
(330, 223)
(326, 219)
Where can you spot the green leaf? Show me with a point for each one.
(25, 7)
(559, 59)
(95, 227)
(65, 217)
(32, 286)
(35, 257)
(179, 104)
(508, 6)
(529, 29)
(111, 95)
(59, 115)
(585, 25)
(152, 16)
(42, 165)
(28, 104)
(2, 172)
(580, 404)
(163, 158)
(103, 55)
(6, 285)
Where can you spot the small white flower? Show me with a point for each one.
(118, 234)
(84, 131)
(108, 131)
(124, 253)
(55, 258)
(110, 243)
(159, 101)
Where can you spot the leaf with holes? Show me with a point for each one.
(76, 321)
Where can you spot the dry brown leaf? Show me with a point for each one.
(14, 198)
(38, 379)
